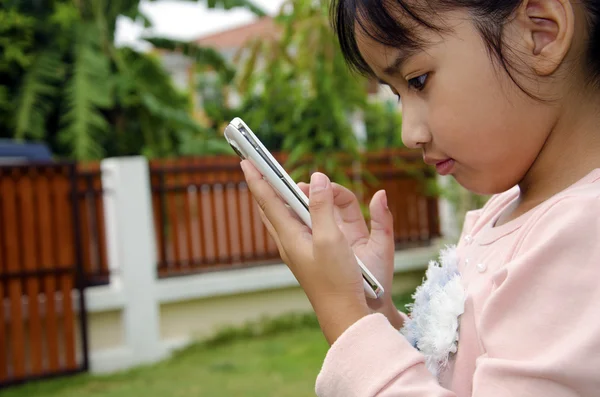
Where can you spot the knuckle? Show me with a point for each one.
(328, 241)
(344, 197)
(262, 203)
(340, 189)
(315, 204)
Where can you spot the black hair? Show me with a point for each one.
(379, 20)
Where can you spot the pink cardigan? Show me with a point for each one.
(531, 325)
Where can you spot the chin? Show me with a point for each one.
(483, 186)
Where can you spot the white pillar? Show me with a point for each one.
(132, 254)
(447, 212)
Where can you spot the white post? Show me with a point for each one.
(447, 213)
(131, 248)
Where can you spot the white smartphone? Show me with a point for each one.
(248, 146)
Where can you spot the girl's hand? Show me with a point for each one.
(322, 261)
(376, 249)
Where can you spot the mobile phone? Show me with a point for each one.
(243, 141)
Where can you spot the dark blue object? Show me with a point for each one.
(23, 152)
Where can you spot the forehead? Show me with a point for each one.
(377, 55)
(386, 37)
(380, 51)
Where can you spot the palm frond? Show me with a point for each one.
(88, 90)
(175, 115)
(37, 92)
(203, 56)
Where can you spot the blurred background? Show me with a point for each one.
(132, 257)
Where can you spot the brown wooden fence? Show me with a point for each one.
(41, 334)
(92, 227)
(52, 241)
(206, 219)
(405, 179)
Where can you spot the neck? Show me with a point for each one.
(571, 151)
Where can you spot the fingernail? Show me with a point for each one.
(384, 200)
(243, 165)
(318, 182)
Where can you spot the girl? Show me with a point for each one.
(503, 96)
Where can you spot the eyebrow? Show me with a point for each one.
(400, 60)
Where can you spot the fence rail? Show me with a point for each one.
(206, 219)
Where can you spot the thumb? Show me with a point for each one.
(321, 206)
(382, 224)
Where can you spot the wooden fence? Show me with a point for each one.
(52, 240)
(91, 217)
(206, 219)
(40, 266)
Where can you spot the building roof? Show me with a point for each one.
(236, 38)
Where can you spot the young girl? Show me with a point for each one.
(504, 96)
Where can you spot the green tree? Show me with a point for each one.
(383, 123)
(63, 81)
(298, 92)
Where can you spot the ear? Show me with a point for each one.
(549, 28)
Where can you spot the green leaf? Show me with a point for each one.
(36, 95)
(229, 4)
(17, 39)
(301, 150)
(204, 57)
(165, 112)
(65, 16)
(88, 91)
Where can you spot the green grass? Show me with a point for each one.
(278, 357)
(284, 365)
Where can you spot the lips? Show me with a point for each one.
(442, 166)
(445, 167)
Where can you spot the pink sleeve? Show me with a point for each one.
(373, 359)
(540, 327)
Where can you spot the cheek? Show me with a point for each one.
(477, 118)
(467, 124)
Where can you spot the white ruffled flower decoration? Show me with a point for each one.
(439, 302)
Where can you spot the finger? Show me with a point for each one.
(305, 187)
(325, 231)
(354, 224)
(293, 213)
(271, 231)
(382, 225)
(348, 212)
(270, 203)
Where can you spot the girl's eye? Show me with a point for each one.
(418, 83)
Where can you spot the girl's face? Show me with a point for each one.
(458, 104)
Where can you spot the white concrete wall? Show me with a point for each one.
(192, 307)
(139, 318)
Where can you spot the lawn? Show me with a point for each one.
(272, 358)
(283, 365)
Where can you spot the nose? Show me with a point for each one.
(415, 132)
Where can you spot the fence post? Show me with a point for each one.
(131, 247)
(449, 224)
